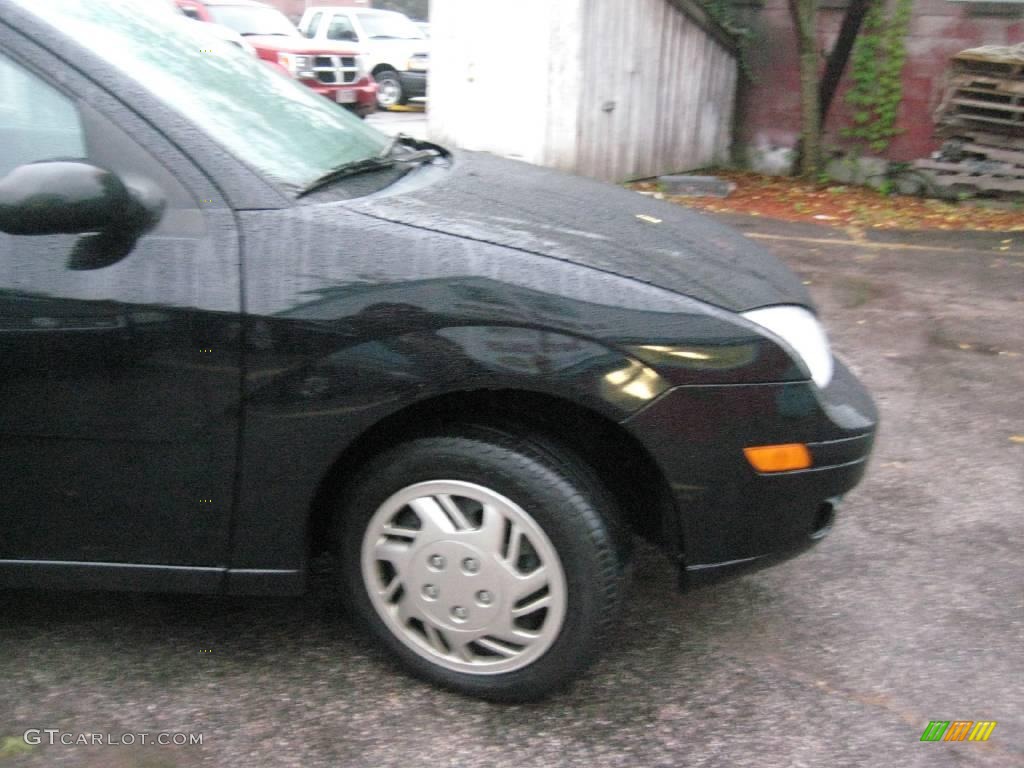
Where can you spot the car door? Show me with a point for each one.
(119, 366)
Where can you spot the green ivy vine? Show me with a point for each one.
(877, 73)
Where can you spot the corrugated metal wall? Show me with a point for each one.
(612, 89)
(660, 91)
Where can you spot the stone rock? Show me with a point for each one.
(770, 159)
(869, 171)
(696, 186)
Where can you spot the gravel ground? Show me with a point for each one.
(910, 611)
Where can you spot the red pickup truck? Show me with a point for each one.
(332, 70)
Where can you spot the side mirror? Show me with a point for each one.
(67, 197)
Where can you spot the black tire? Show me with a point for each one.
(389, 85)
(554, 488)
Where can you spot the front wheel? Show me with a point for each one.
(390, 92)
(483, 561)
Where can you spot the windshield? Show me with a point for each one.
(267, 120)
(253, 20)
(389, 25)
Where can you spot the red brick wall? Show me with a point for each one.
(769, 109)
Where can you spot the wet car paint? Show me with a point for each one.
(283, 332)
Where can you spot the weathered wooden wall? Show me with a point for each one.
(613, 89)
(660, 91)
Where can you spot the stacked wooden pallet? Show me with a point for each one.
(982, 120)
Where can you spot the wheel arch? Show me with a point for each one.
(623, 463)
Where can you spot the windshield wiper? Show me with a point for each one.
(349, 169)
(415, 152)
(264, 34)
(420, 150)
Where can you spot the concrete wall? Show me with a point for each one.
(769, 108)
(506, 79)
(614, 89)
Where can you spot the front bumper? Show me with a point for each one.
(729, 518)
(364, 92)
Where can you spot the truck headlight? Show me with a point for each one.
(802, 334)
(298, 66)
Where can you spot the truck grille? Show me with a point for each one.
(335, 70)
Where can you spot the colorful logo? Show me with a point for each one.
(958, 730)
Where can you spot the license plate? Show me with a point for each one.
(345, 97)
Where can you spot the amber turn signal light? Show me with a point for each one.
(778, 458)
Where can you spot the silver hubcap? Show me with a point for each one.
(388, 92)
(464, 577)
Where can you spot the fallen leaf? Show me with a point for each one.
(840, 205)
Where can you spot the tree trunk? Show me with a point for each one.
(840, 55)
(805, 21)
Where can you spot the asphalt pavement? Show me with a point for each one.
(912, 610)
(411, 120)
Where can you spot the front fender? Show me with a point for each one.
(300, 417)
(379, 375)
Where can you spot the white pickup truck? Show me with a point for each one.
(396, 50)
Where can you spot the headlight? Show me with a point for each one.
(298, 66)
(800, 331)
(417, 64)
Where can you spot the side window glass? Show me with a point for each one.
(341, 29)
(37, 122)
(313, 24)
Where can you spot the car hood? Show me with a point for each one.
(594, 225)
(301, 45)
(397, 49)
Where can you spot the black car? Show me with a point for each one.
(239, 329)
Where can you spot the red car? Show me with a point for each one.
(332, 70)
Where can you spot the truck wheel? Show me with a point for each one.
(483, 561)
(389, 89)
